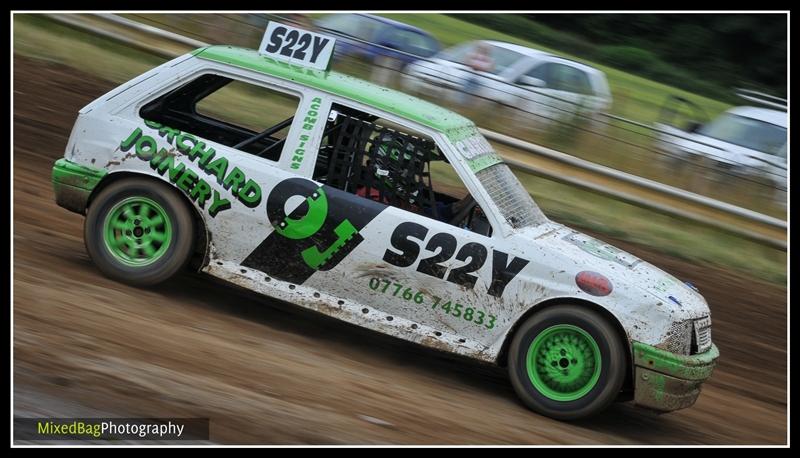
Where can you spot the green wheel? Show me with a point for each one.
(139, 231)
(567, 362)
(563, 362)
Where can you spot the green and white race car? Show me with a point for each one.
(265, 169)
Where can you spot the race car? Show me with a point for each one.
(265, 169)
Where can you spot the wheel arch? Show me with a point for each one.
(202, 237)
(502, 357)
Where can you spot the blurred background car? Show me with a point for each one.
(371, 37)
(525, 78)
(744, 140)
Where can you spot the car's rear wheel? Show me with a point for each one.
(139, 231)
(567, 362)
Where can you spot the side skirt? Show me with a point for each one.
(348, 310)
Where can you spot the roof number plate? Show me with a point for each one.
(297, 46)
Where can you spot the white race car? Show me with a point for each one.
(264, 169)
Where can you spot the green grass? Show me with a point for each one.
(43, 39)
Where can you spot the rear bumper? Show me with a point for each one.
(666, 381)
(73, 184)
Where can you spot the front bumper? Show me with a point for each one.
(73, 184)
(666, 381)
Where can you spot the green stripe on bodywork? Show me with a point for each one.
(482, 162)
(694, 367)
(346, 86)
(463, 132)
(80, 176)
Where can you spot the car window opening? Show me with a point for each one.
(394, 167)
(248, 117)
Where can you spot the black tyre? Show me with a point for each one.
(567, 362)
(139, 231)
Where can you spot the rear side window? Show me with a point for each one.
(247, 106)
(245, 116)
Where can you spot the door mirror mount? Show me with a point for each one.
(693, 126)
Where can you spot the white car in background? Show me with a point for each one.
(745, 140)
(528, 79)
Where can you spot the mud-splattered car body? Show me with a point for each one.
(271, 227)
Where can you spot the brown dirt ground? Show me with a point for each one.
(266, 372)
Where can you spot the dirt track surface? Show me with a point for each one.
(267, 372)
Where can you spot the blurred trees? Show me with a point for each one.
(706, 53)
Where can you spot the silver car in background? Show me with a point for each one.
(745, 140)
(524, 78)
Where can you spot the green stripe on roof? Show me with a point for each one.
(341, 85)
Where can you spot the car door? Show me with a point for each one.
(400, 257)
(426, 271)
(574, 84)
(538, 94)
(565, 91)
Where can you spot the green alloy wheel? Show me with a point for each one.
(139, 231)
(563, 362)
(567, 362)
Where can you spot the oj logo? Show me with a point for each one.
(309, 224)
(316, 235)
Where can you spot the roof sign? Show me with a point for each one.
(297, 46)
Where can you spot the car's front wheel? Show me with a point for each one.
(139, 231)
(567, 362)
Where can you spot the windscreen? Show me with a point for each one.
(514, 202)
(747, 132)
